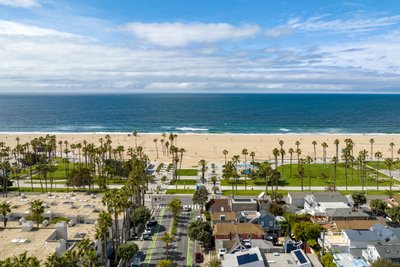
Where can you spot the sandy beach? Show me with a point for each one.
(210, 146)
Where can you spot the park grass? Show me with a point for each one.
(285, 192)
(60, 190)
(187, 172)
(382, 165)
(180, 191)
(183, 182)
(316, 170)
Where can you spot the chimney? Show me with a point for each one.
(62, 230)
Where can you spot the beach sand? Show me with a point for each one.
(210, 146)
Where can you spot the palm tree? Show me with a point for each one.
(24, 260)
(276, 154)
(334, 160)
(162, 146)
(135, 134)
(298, 152)
(202, 164)
(36, 210)
(346, 157)
(281, 142)
(300, 170)
(252, 155)
(229, 172)
(245, 153)
(378, 156)
(309, 160)
(282, 153)
(372, 141)
(391, 149)
(104, 222)
(236, 160)
(291, 151)
(324, 146)
(297, 143)
(181, 151)
(225, 152)
(336, 142)
(155, 141)
(5, 208)
(314, 143)
(389, 163)
(167, 239)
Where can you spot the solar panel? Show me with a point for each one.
(247, 258)
(300, 256)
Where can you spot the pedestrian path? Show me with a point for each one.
(165, 206)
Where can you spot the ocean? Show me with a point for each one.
(201, 113)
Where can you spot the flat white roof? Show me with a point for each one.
(333, 205)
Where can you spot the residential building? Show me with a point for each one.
(297, 198)
(219, 205)
(248, 258)
(300, 258)
(221, 217)
(385, 251)
(240, 204)
(243, 230)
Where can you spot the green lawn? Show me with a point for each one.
(187, 172)
(180, 191)
(382, 165)
(184, 182)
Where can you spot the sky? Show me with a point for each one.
(232, 46)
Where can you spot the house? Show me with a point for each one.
(348, 260)
(344, 214)
(300, 258)
(264, 218)
(227, 216)
(388, 251)
(239, 204)
(290, 245)
(243, 230)
(235, 245)
(318, 203)
(296, 198)
(219, 205)
(249, 258)
(357, 224)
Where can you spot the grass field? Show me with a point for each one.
(184, 182)
(187, 172)
(180, 191)
(382, 165)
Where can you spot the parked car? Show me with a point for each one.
(137, 259)
(146, 236)
(199, 257)
(186, 208)
(222, 252)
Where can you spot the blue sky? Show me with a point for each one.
(199, 46)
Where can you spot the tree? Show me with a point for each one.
(372, 141)
(314, 143)
(327, 260)
(359, 199)
(225, 152)
(126, 251)
(324, 146)
(301, 172)
(202, 164)
(384, 263)
(175, 206)
(21, 260)
(140, 215)
(378, 206)
(245, 152)
(389, 163)
(164, 263)
(167, 239)
(214, 261)
(391, 149)
(276, 209)
(306, 231)
(36, 210)
(5, 208)
(378, 156)
(336, 142)
(201, 231)
(229, 172)
(200, 197)
(291, 151)
(104, 223)
(394, 214)
(155, 141)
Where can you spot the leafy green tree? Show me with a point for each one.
(200, 197)
(175, 206)
(104, 223)
(359, 199)
(36, 210)
(126, 251)
(164, 263)
(327, 260)
(201, 231)
(229, 172)
(306, 231)
(140, 215)
(167, 239)
(384, 263)
(394, 214)
(5, 208)
(214, 261)
(378, 206)
(276, 209)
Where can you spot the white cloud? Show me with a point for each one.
(20, 3)
(180, 34)
(46, 61)
(323, 23)
(19, 29)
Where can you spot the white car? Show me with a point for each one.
(221, 252)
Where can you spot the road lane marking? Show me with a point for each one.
(189, 256)
(153, 241)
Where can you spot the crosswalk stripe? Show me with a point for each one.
(164, 206)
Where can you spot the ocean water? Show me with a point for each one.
(201, 113)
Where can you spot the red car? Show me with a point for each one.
(198, 257)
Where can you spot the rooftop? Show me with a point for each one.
(237, 228)
(346, 212)
(229, 215)
(329, 197)
(357, 224)
(253, 256)
(346, 259)
(388, 251)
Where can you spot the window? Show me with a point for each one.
(222, 217)
(262, 223)
(222, 209)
